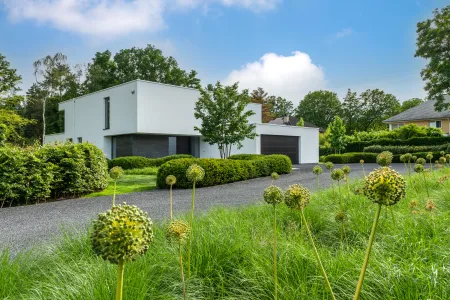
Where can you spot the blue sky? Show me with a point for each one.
(288, 47)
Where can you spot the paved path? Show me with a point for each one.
(26, 226)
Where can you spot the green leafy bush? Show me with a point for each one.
(33, 174)
(221, 171)
(416, 141)
(355, 157)
(138, 162)
(245, 156)
(406, 149)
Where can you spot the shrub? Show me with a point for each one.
(245, 156)
(349, 158)
(221, 171)
(416, 141)
(138, 162)
(32, 174)
(406, 149)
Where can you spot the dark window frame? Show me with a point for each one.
(80, 139)
(107, 112)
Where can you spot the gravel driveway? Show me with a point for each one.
(26, 226)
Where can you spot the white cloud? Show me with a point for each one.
(290, 77)
(100, 18)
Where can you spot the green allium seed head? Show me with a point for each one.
(122, 232)
(447, 156)
(384, 159)
(274, 175)
(195, 173)
(337, 174)
(361, 161)
(403, 158)
(414, 158)
(430, 156)
(273, 195)
(346, 170)
(297, 196)
(408, 156)
(317, 170)
(329, 165)
(442, 153)
(418, 168)
(340, 217)
(171, 180)
(178, 231)
(385, 186)
(116, 172)
(436, 162)
(442, 160)
(421, 161)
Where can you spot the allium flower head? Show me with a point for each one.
(385, 186)
(297, 196)
(442, 160)
(413, 203)
(273, 195)
(430, 156)
(418, 168)
(346, 170)
(447, 156)
(361, 161)
(122, 232)
(116, 172)
(340, 217)
(317, 170)
(421, 161)
(384, 159)
(195, 173)
(337, 174)
(442, 153)
(329, 165)
(403, 158)
(430, 205)
(414, 158)
(178, 231)
(274, 175)
(171, 180)
(408, 156)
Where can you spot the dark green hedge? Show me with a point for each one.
(407, 149)
(221, 171)
(33, 174)
(245, 156)
(417, 141)
(355, 157)
(138, 162)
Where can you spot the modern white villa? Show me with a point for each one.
(153, 120)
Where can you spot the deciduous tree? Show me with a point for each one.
(407, 104)
(319, 108)
(376, 106)
(337, 134)
(351, 111)
(280, 106)
(433, 44)
(224, 121)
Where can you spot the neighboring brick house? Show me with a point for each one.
(422, 115)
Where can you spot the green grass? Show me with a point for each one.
(128, 184)
(232, 255)
(142, 171)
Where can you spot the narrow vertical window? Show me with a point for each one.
(80, 140)
(107, 111)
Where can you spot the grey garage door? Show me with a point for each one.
(280, 144)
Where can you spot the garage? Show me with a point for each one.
(280, 144)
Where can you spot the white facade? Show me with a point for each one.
(143, 108)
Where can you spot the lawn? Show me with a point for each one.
(128, 183)
(232, 254)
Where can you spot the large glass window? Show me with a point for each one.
(107, 112)
(436, 124)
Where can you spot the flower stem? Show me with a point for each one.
(191, 221)
(426, 186)
(119, 289)
(275, 280)
(322, 269)
(369, 248)
(364, 172)
(181, 271)
(317, 182)
(114, 193)
(171, 214)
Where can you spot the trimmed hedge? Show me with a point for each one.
(355, 157)
(246, 156)
(407, 149)
(417, 141)
(221, 171)
(32, 174)
(138, 162)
